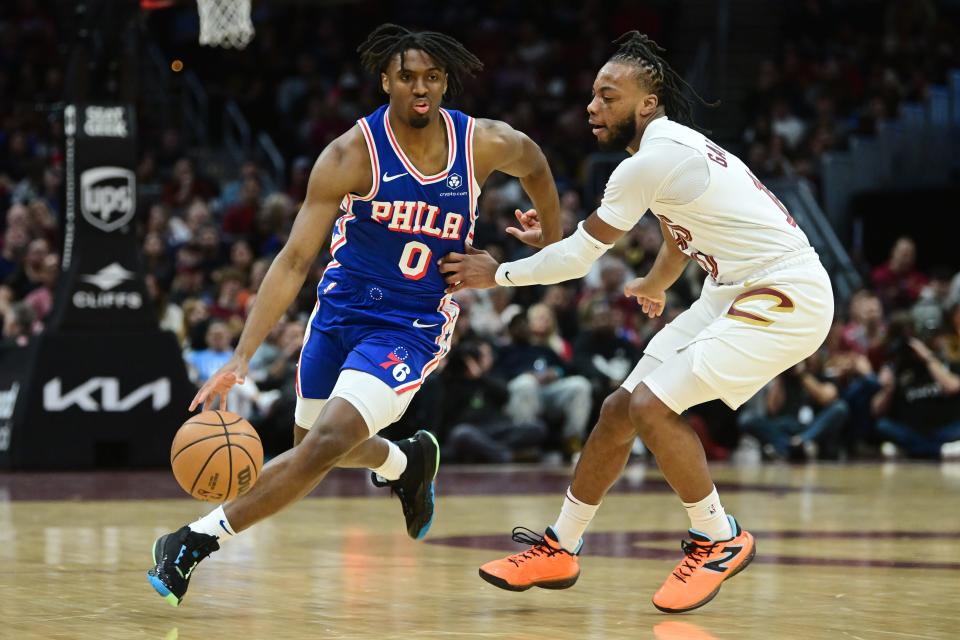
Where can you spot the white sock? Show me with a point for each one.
(707, 516)
(394, 465)
(214, 524)
(575, 517)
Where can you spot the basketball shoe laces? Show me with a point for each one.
(539, 546)
(695, 553)
(194, 555)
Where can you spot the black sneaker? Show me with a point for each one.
(415, 486)
(177, 554)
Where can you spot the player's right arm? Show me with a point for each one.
(651, 290)
(343, 167)
(630, 190)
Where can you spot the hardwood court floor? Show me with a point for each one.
(854, 552)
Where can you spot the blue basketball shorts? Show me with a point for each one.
(398, 338)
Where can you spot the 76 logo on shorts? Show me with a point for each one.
(394, 361)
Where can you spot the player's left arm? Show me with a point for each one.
(628, 194)
(499, 147)
(568, 259)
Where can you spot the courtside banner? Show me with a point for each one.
(14, 377)
(101, 286)
(94, 400)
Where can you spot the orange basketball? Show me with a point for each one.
(216, 456)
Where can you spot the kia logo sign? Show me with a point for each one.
(103, 394)
(107, 197)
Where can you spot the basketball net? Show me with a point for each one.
(225, 23)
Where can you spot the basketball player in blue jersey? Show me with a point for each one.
(399, 190)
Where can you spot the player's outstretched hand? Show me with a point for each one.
(650, 297)
(474, 270)
(529, 232)
(220, 383)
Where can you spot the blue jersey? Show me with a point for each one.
(381, 307)
(394, 235)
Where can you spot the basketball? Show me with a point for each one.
(216, 456)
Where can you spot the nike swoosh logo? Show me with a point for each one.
(388, 178)
(506, 274)
(223, 524)
(420, 325)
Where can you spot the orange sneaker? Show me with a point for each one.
(706, 564)
(545, 564)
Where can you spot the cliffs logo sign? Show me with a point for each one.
(109, 277)
(103, 394)
(107, 197)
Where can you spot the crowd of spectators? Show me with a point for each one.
(530, 366)
(842, 68)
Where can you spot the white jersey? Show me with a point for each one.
(717, 211)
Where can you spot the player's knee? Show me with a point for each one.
(331, 440)
(647, 411)
(615, 416)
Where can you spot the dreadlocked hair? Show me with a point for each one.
(638, 49)
(387, 40)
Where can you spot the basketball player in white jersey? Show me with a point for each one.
(766, 304)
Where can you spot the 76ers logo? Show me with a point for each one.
(395, 360)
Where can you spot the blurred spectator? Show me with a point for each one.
(169, 315)
(185, 185)
(898, 282)
(543, 331)
(918, 405)
(274, 370)
(43, 223)
(156, 258)
(605, 284)
(205, 362)
(538, 388)
(475, 426)
(299, 178)
(951, 335)
(273, 222)
(800, 413)
(40, 300)
(600, 353)
(198, 216)
(19, 323)
(211, 250)
(196, 319)
(239, 219)
(233, 191)
(866, 331)
(267, 353)
(853, 374)
(241, 256)
(30, 275)
(258, 271)
(15, 241)
(231, 301)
